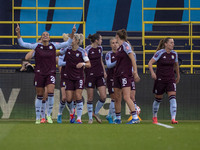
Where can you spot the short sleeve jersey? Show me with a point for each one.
(72, 58)
(123, 66)
(45, 59)
(95, 56)
(110, 56)
(165, 65)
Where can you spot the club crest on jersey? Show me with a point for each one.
(77, 55)
(69, 53)
(89, 84)
(41, 47)
(164, 56)
(50, 47)
(92, 52)
(172, 56)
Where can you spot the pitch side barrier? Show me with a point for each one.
(17, 96)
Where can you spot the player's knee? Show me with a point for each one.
(126, 97)
(78, 96)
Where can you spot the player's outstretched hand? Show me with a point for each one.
(74, 29)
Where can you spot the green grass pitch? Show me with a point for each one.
(25, 135)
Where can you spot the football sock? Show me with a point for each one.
(38, 105)
(70, 106)
(156, 105)
(79, 105)
(43, 108)
(74, 105)
(90, 109)
(173, 106)
(134, 115)
(118, 116)
(98, 106)
(135, 105)
(50, 103)
(112, 105)
(61, 107)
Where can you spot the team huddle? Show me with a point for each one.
(84, 68)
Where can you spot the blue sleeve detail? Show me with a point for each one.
(88, 48)
(101, 51)
(158, 54)
(176, 60)
(27, 45)
(109, 64)
(63, 44)
(61, 61)
(127, 48)
(63, 50)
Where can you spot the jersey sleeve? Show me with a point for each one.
(87, 49)
(109, 64)
(27, 45)
(127, 48)
(63, 44)
(101, 51)
(84, 55)
(61, 61)
(157, 55)
(176, 60)
(63, 50)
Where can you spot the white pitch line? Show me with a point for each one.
(164, 125)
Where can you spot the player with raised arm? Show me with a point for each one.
(95, 77)
(45, 69)
(63, 101)
(165, 81)
(76, 59)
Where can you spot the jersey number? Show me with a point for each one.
(52, 79)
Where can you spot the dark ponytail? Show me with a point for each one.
(94, 37)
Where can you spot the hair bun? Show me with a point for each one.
(89, 36)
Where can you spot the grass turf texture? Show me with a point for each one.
(21, 135)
